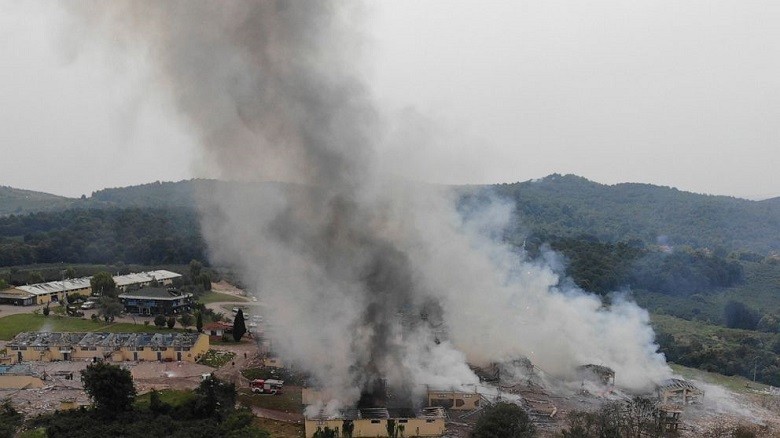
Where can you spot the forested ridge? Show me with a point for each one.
(147, 236)
(704, 261)
(570, 206)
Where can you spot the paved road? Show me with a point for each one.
(7, 309)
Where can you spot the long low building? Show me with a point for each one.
(160, 276)
(55, 291)
(42, 293)
(117, 347)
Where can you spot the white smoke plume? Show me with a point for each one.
(361, 273)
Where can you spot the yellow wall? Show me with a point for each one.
(46, 298)
(421, 427)
(458, 401)
(168, 353)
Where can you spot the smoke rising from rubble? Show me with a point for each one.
(363, 275)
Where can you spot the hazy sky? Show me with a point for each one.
(676, 93)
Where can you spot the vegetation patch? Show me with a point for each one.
(279, 429)
(718, 349)
(173, 397)
(210, 410)
(289, 401)
(12, 325)
(736, 384)
(216, 358)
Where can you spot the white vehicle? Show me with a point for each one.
(88, 305)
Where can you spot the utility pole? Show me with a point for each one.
(755, 367)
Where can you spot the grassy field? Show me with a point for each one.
(707, 334)
(734, 383)
(172, 397)
(12, 325)
(290, 401)
(216, 297)
(279, 429)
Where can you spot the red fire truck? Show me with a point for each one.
(266, 386)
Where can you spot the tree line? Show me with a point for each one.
(135, 235)
(603, 267)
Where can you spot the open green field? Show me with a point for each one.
(172, 397)
(708, 334)
(279, 429)
(736, 384)
(289, 401)
(12, 325)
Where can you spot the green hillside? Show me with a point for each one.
(760, 291)
(719, 349)
(557, 205)
(570, 206)
(18, 201)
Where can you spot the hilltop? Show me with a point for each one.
(568, 205)
(18, 201)
(557, 205)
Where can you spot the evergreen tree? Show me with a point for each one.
(239, 326)
(199, 321)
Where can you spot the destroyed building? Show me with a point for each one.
(678, 392)
(596, 373)
(117, 347)
(455, 400)
(376, 422)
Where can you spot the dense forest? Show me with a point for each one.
(570, 206)
(143, 236)
(603, 267)
(559, 205)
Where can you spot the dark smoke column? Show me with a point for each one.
(271, 89)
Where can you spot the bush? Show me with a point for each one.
(109, 386)
(159, 321)
(505, 420)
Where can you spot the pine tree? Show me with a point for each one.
(199, 321)
(239, 326)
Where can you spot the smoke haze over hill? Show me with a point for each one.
(346, 258)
